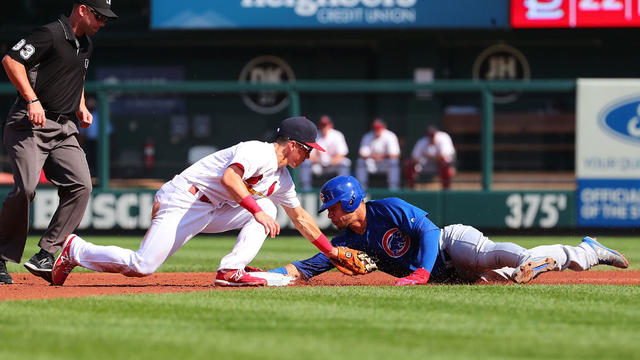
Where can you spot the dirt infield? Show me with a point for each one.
(28, 287)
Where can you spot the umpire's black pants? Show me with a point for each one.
(55, 149)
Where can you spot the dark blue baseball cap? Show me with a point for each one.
(300, 129)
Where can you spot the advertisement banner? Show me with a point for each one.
(608, 152)
(574, 13)
(609, 203)
(510, 209)
(139, 104)
(131, 210)
(321, 14)
(120, 210)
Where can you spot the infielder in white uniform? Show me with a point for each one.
(234, 188)
(379, 153)
(433, 154)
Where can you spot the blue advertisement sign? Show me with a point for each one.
(609, 202)
(143, 104)
(608, 152)
(320, 14)
(622, 119)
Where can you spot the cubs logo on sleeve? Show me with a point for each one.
(395, 243)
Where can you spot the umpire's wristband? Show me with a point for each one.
(33, 101)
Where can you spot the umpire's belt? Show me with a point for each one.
(194, 190)
(57, 117)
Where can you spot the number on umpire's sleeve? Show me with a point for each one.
(19, 45)
(27, 51)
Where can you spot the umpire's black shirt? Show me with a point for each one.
(56, 62)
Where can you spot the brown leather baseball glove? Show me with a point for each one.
(353, 262)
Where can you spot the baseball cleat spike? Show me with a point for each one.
(532, 268)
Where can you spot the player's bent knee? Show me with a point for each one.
(82, 189)
(24, 194)
(86, 187)
(135, 273)
(139, 272)
(141, 268)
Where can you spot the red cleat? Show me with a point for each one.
(63, 265)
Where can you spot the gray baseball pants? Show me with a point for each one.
(475, 256)
(55, 149)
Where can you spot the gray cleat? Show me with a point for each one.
(607, 256)
(530, 269)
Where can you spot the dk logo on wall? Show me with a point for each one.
(266, 70)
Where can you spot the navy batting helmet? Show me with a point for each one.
(345, 189)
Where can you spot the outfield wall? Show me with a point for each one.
(130, 210)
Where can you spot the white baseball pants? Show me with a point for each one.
(475, 256)
(180, 217)
(391, 167)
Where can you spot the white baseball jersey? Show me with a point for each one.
(261, 174)
(182, 214)
(442, 145)
(387, 144)
(334, 143)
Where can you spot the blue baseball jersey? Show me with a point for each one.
(399, 237)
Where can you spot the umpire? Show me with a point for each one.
(48, 69)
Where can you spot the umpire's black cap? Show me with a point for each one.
(102, 7)
(300, 129)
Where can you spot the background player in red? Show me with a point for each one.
(432, 154)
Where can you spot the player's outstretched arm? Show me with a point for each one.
(307, 226)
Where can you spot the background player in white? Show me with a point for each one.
(234, 188)
(334, 161)
(433, 154)
(379, 153)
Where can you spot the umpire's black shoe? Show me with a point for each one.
(5, 278)
(40, 265)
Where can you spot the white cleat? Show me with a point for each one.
(273, 279)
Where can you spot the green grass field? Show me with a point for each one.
(432, 322)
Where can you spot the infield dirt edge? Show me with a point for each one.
(28, 287)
